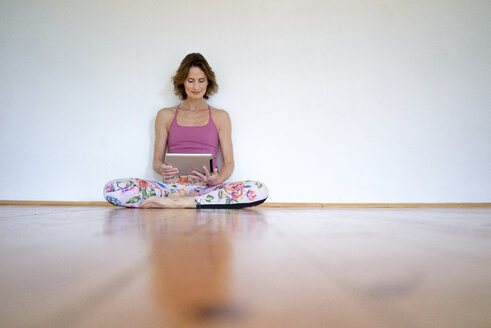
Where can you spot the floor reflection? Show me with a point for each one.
(152, 224)
(191, 254)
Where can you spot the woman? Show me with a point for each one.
(191, 127)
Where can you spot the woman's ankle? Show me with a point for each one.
(169, 202)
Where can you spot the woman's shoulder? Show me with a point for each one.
(166, 113)
(164, 118)
(220, 114)
(221, 119)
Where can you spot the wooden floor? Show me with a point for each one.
(263, 267)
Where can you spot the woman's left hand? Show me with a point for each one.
(210, 179)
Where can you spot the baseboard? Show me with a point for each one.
(273, 204)
(52, 203)
(379, 205)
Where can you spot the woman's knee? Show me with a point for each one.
(248, 191)
(130, 192)
(122, 192)
(238, 194)
(116, 185)
(111, 193)
(259, 188)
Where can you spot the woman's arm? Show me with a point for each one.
(224, 126)
(162, 122)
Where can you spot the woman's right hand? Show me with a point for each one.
(168, 172)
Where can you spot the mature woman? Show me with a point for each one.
(192, 127)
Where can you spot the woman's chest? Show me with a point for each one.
(193, 118)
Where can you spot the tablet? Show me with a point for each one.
(186, 163)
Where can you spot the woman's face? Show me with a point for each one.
(196, 83)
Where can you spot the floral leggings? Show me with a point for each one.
(131, 192)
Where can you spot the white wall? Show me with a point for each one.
(331, 101)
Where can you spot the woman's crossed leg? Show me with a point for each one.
(184, 192)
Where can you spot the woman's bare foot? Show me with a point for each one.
(169, 202)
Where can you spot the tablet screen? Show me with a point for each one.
(186, 163)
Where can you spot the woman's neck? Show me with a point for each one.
(193, 104)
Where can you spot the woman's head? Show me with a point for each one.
(194, 73)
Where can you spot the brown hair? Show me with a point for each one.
(194, 60)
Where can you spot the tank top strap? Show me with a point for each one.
(175, 114)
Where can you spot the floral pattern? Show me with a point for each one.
(234, 193)
(251, 195)
(131, 192)
(113, 200)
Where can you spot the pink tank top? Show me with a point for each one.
(193, 139)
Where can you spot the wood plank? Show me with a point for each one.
(262, 267)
